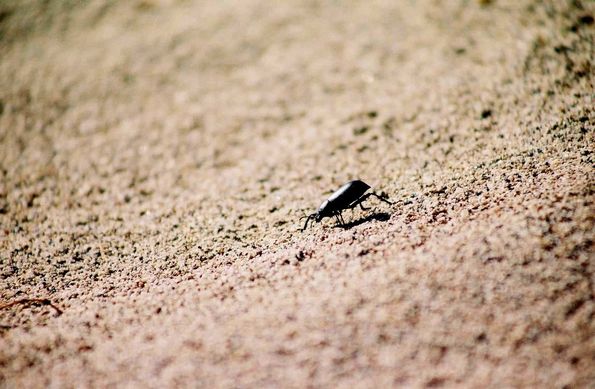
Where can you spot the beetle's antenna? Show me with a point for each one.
(308, 218)
(382, 197)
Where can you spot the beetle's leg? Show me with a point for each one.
(338, 216)
(364, 198)
(359, 202)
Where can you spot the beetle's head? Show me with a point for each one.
(316, 216)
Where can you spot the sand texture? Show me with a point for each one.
(156, 157)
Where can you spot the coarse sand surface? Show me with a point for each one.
(156, 158)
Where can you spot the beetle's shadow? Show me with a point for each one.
(379, 216)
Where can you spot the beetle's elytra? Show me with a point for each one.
(348, 196)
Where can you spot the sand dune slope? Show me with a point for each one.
(156, 156)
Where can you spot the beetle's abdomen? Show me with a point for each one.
(347, 194)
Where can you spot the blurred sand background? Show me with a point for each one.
(155, 157)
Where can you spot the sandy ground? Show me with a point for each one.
(156, 156)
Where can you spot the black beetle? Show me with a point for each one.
(348, 196)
